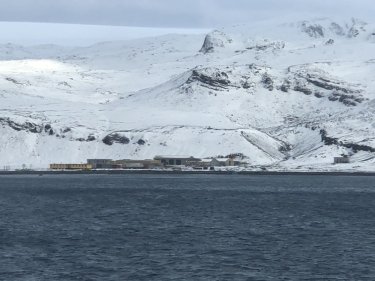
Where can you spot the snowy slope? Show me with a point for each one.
(284, 95)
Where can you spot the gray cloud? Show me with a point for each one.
(175, 13)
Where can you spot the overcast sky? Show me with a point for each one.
(175, 13)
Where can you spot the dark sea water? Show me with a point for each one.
(187, 227)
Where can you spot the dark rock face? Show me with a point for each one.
(285, 147)
(338, 91)
(322, 85)
(47, 127)
(208, 46)
(91, 138)
(27, 126)
(330, 42)
(213, 40)
(267, 82)
(302, 89)
(278, 45)
(313, 30)
(214, 80)
(141, 142)
(356, 28)
(349, 100)
(14, 81)
(327, 84)
(328, 140)
(246, 85)
(353, 32)
(285, 87)
(358, 147)
(115, 138)
(334, 141)
(350, 30)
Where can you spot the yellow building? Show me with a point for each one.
(70, 166)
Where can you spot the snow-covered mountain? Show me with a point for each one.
(284, 95)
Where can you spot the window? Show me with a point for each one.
(178, 162)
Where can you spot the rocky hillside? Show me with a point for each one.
(283, 95)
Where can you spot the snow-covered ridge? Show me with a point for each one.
(284, 95)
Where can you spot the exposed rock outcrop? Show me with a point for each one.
(353, 146)
(210, 78)
(267, 82)
(315, 81)
(213, 40)
(27, 126)
(313, 30)
(264, 46)
(115, 138)
(356, 28)
(91, 138)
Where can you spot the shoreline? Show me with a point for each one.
(166, 172)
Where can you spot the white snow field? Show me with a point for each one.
(287, 96)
